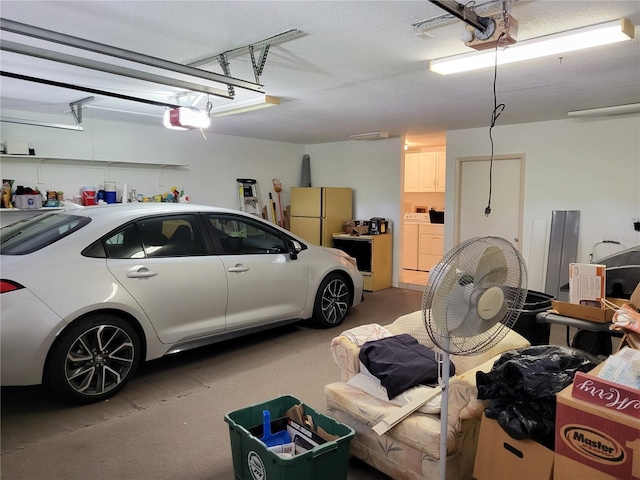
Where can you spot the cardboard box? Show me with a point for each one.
(594, 314)
(594, 442)
(606, 394)
(583, 312)
(501, 457)
(587, 283)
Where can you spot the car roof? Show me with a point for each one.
(143, 208)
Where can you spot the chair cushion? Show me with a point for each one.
(367, 383)
(420, 431)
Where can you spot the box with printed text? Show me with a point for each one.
(599, 438)
(587, 283)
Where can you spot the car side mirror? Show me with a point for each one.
(294, 249)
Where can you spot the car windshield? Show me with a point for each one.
(37, 232)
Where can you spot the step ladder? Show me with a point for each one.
(248, 197)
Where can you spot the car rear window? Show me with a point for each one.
(35, 233)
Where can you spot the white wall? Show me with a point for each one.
(213, 165)
(587, 165)
(592, 166)
(372, 168)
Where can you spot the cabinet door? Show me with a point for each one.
(441, 170)
(427, 172)
(411, 173)
(431, 246)
(410, 250)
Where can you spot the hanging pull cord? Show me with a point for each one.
(497, 110)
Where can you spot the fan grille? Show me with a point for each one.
(477, 290)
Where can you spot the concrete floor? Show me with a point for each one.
(168, 423)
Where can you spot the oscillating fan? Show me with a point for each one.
(473, 294)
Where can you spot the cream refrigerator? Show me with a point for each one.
(319, 212)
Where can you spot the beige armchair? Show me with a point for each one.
(411, 449)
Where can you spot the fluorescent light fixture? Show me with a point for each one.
(184, 118)
(593, 36)
(606, 111)
(242, 106)
(369, 136)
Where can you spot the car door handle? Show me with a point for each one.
(141, 272)
(239, 268)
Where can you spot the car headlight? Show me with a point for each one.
(352, 261)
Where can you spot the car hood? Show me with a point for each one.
(335, 251)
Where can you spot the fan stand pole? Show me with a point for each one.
(444, 409)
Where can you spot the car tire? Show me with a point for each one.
(93, 359)
(332, 303)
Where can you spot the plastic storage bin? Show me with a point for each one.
(252, 460)
(536, 333)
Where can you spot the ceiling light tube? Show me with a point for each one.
(606, 111)
(369, 136)
(242, 106)
(593, 36)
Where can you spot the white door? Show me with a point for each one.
(507, 196)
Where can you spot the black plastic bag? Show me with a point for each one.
(522, 388)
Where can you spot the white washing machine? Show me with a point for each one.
(410, 246)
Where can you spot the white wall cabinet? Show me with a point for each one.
(441, 170)
(411, 171)
(425, 171)
(430, 246)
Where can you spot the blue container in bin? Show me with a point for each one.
(252, 460)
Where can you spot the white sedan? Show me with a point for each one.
(89, 293)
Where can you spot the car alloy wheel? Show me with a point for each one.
(332, 301)
(94, 359)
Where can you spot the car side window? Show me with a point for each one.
(124, 243)
(167, 236)
(241, 236)
(171, 236)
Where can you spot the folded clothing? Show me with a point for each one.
(400, 363)
(370, 384)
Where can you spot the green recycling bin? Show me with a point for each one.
(253, 461)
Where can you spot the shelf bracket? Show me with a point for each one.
(257, 69)
(76, 108)
(223, 58)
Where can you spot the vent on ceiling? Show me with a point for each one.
(369, 136)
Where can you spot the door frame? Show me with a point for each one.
(458, 183)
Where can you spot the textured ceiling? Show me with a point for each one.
(360, 68)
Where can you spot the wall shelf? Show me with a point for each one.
(20, 210)
(40, 159)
